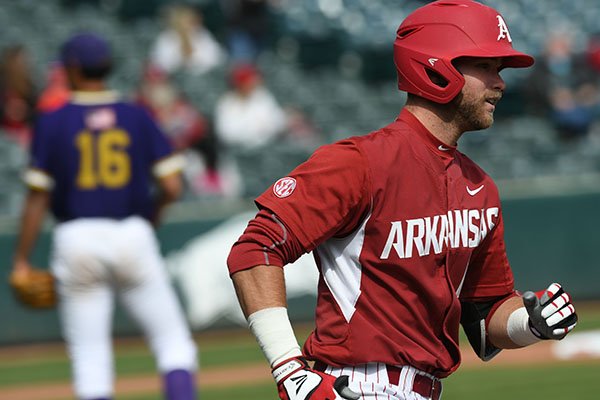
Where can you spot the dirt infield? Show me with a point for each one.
(223, 376)
(143, 384)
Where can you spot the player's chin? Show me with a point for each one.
(486, 118)
(488, 121)
(482, 122)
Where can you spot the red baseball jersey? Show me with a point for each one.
(402, 227)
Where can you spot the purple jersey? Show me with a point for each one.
(98, 155)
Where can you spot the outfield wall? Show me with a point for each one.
(552, 238)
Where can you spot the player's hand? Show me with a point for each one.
(21, 266)
(551, 314)
(297, 381)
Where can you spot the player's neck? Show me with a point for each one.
(443, 128)
(90, 86)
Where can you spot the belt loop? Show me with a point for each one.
(426, 385)
(436, 389)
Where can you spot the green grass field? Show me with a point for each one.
(264, 391)
(563, 381)
(559, 380)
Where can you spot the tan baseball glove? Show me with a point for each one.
(33, 288)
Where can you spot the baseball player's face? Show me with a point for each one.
(482, 90)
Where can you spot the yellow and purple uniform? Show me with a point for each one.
(98, 154)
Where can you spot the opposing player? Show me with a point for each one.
(407, 233)
(95, 162)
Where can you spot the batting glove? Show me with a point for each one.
(297, 381)
(551, 314)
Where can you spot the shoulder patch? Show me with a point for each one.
(284, 187)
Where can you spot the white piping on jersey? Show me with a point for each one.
(462, 281)
(482, 339)
(275, 244)
(341, 268)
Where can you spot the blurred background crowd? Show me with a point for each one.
(247, 89)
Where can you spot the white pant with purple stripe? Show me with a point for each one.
(371, 381)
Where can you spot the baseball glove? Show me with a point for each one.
(33, 288)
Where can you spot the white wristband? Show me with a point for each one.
(274, 334)
(518, 329)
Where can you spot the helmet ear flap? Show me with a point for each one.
(433, 78)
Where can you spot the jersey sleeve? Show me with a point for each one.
(266, 241)
(324, 197)
(489, 274)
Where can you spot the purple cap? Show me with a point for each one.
(85, 50)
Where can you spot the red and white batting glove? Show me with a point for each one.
(551, 314)
(297, 381)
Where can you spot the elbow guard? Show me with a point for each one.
(473, 319)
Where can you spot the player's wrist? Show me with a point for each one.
(275, 335)
(519, 328)
(285, 368)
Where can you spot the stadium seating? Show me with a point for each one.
(332, 59)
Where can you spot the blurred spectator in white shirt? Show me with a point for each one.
(186, 44)
(248, 115)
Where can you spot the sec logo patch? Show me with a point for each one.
(284, 187)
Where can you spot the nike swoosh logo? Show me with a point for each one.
(442, 148)
(432, 61)
(474, 191)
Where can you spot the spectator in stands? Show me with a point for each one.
(17, 94)
(593, 59)
(562, 85)
(593, 53)
(247, 28)
(247, 119)
(186, 44)
(181, 121)
(248, 115)
(301, 130)
(56, 93)
(188, 129)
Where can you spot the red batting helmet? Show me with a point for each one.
(433, 35)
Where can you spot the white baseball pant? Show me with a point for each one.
(372, 382)
(95, 260)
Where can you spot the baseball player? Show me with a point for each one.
(95, 162)
(407, 233)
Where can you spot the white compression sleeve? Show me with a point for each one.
(518, 328)
(274, 333)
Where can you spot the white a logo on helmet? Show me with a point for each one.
(504, 33)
